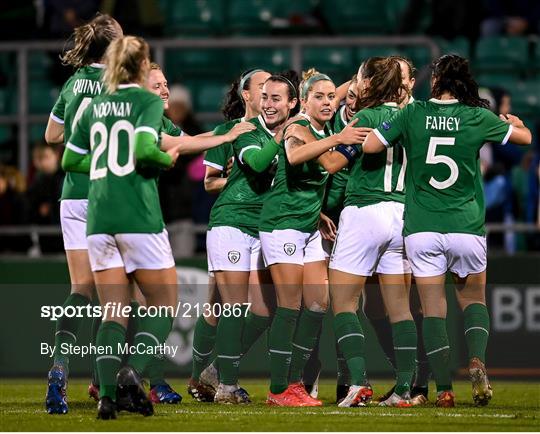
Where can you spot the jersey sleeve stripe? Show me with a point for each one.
(76, 149)
(214, 165)
(508, 134)
(147, 130)
(381, 137)
(245, 149)
(56, 119)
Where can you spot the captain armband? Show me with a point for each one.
(348, 151)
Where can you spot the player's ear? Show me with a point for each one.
(292, 103)
(245, 95)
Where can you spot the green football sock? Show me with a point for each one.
(305, 340)
(152, 333)
(67, 329)
(96, 323)
(229, 348)
(383, 330)
(155, 370)
(438, 351)
(350, 337)
(280, 347)
(204, 339)
(343, 374)
(111, 336)
(476, 319)
(423, 372)
(405, 338)
(254, 326)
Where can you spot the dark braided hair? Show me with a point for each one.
(451, 73)
(385, 85)
(292, 80)
(234, 106)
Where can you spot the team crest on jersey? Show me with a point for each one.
(386, 126)
(289, 248)
(234, 256)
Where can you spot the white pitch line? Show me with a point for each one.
(360, 412)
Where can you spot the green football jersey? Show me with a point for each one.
(75, 96)
(442, 140)
(239, 204)
(337, 183)
(121, 198)
(219, 156)
(169, 128)
(376, 178)
(295, 199)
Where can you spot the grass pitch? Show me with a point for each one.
(515, 407)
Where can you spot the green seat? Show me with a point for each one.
(337, 62)
(458, 46)
(526, 98)
(508, 54)
(188, 64)
(41, 96)
(536, 59)
(8, 101)
(499, 79)
(419, 55)
(5, 133)
(269, 59)
(365, 52)
(39, 64)
(209, 95)
(288, 8)
(394, 10)
(37, 133)
(193, 17)
(354, 17)
(250, 17)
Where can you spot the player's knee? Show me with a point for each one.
(319, 307)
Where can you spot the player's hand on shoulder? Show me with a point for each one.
(512, 120)
(239, 129)
(351, 135)
(300, 132)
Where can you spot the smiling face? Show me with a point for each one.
(252, 96)
(318, 103)
(350, 100)
(275, 103)
(157, 84)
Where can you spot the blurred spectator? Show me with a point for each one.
(44, 191)
(12, 209)
(181, 110)
(498, 200)
(512, 18)
(175, 188)
(500, 102)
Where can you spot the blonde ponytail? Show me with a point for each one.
(123, 62)
(91, 40)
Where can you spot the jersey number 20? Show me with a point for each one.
(109, 141)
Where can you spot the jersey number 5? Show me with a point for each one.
(110, 142)
(442, 159)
